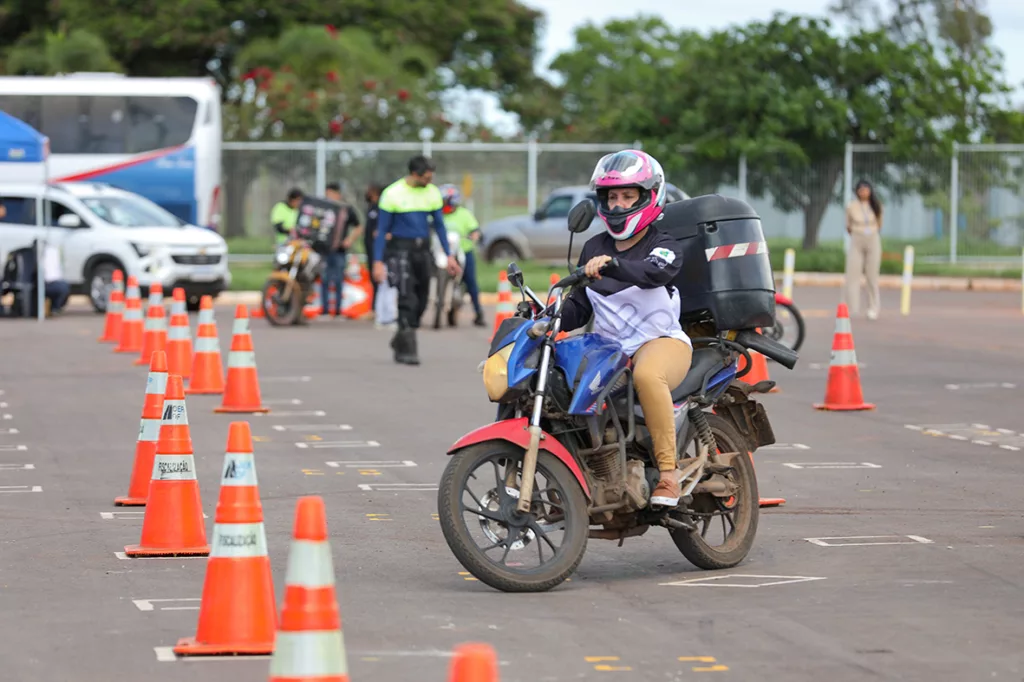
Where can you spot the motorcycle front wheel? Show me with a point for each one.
(498, 545)
(279, 310)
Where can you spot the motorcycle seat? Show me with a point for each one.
(705, 361)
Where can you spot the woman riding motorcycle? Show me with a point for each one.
(634, 303)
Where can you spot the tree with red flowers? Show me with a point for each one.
(319, 82)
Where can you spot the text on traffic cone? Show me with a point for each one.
(149, 433)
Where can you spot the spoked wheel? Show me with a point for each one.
(281, 310)
(788, 328)
(725, 526)
(508, 550)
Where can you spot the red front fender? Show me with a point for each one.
(779, 298)
(514, 431)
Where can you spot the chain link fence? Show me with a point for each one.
(982, 184)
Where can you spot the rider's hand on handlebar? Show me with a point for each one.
(593, 267)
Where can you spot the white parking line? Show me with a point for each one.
(10, 431)
(150, 604)
(17, 467)
(385, 464)
(302, 379)
(887, 540)
(282, 401)
(397, 487)
(21, 488)
(311, 427)
(13, 448)
(293, 413)
(831, 465)
(335, 444)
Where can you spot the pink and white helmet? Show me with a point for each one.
(629, 168)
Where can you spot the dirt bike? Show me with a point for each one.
(570, 449)
(787, 319)
(296, 267)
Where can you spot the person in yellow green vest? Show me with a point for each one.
(285, 214)
(461, 220)
(406, 210)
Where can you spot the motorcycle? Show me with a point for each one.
(449, 291)
(570, 450)
(296, 268)
(787, 318)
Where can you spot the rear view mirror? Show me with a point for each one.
(69, 220)
(581, 216)
(515, 276)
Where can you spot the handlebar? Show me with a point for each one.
(783, 355)
(579, 275)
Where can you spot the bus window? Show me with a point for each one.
(29, 108)
(158, 122)
(103, 126)
(61, 123)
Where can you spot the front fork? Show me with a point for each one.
(536, 434)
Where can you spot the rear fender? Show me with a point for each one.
(514, 431)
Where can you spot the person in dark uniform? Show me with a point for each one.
(405, 211)
(334, 265)
(370, 233)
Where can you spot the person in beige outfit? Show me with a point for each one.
(864, 225)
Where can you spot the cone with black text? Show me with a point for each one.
(309, 646)
(207, 370)
(173, 524)
(237, 613)
(115, 310)
(843, 391)
(132, 326)
(149, 433)
(242, 390)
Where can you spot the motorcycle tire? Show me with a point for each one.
(441, 296)
(797, 320)
(456, 533)
(690, 543)
(293, 312)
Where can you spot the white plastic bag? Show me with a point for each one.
(386, 308)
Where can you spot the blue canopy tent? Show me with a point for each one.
(21, 143)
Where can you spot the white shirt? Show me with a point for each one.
(52, 269)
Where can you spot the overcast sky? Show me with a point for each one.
(564, 15)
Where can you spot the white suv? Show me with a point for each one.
(100, 229)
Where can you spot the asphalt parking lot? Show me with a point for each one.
(897, 556)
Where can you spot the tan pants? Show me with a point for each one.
(658, 367)
(863, 258)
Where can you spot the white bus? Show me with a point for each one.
(158, 137)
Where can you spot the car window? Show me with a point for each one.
(58, 209)
(18, 210)
(558, 207)
(130, 212)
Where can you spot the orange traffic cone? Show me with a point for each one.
(149, 433)
(314, 306)
(505, 307)
(237, 614)
(173, 523)
(115, 310)
(178, 304)
(843, 391)
(242, 392)
(356, 290)
(474, 662)
(131, 322)
(154, 336)
(758, 371)
(207, 370)
(310, 646)
(766, 501)
(179, 340)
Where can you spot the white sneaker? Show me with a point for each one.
(872, 314)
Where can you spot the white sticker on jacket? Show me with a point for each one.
(666, 255)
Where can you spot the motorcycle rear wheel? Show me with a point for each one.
(556, 492)
(746, 508)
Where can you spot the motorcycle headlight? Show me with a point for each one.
(283, 255)
(496, 373)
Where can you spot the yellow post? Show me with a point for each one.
(789, 265)
(908, 279)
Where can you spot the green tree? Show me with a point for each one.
(485, 43)
(60, 51)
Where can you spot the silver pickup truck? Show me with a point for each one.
(544, 235)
